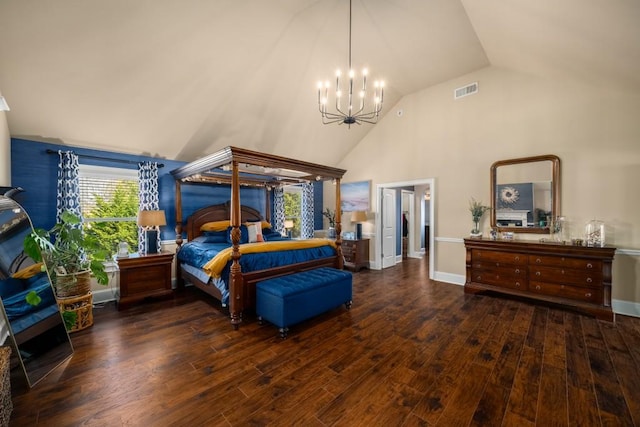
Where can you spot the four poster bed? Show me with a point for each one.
(226, 267)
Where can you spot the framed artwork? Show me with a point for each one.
(354, 196)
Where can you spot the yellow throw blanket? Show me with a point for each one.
(214, 267)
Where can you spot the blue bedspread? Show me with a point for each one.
(197, 254)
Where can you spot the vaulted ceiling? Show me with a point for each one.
(180, 79)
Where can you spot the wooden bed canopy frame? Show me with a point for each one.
(240, 167)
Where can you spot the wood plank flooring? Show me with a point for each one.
(410, 352)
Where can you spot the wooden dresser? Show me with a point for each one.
(574, 276)
(356, 254)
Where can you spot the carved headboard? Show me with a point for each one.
(219, 212)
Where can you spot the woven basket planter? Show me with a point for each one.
(83, 307)
(72, 285)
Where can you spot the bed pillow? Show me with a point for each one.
(263, 223)
(270, 235)
(244, 234)
(216, 225)
(255, 232)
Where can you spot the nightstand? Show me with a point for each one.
(356, 254)
(144, 276)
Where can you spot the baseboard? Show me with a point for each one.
(103, 295)
(456, 279)
(627, 308)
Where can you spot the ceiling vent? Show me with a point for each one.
(467, 90)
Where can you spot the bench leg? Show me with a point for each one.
(348, 304)
(260, 321)
(283, 333)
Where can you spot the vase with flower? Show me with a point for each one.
(477, 210)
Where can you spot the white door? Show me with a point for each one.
(388, 227)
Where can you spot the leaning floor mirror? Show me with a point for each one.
(32, 321)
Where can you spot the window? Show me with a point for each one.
(109, 201)
(293, 209)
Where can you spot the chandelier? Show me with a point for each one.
(350, 106)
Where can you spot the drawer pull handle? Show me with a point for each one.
(538, 260)
(517, 258)
(537, 273)
(497, 264)
(589, 265)
(537, 287)
(517, 284)
(562, 271)
(588, 295)
(589, 280)
(517, 271)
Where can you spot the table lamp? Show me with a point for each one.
(359, 217)
(288, 225)
(151, 221)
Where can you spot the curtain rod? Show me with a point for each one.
(88, 156)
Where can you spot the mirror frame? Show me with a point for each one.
(555, 189)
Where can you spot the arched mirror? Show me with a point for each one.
(525, 194)
(35, 330)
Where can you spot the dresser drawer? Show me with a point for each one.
(493, 265)
(566, 291)
(348, 249)
(498, 257)
(560, 261)
(501, 277)
(567, 276)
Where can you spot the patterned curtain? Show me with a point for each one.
(148, 193)
(278, 210)
(68, 185)
(306, 231)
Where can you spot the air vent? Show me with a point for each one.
(467, 90)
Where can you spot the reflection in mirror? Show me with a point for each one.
(36, 330)
(525, 194)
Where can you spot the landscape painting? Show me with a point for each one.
(354, 196)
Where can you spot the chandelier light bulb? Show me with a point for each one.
(352, 74)
(365, 71)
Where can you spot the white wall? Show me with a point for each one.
(593, 129)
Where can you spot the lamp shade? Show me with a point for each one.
(288, 223)
(358, 216)
(151, 218)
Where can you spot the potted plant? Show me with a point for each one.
(71, 258)
(477, 210)
(331, 216)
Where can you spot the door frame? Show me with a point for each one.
(431, 182)
(393, 256)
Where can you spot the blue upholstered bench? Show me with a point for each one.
(290, 299)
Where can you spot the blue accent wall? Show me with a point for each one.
(36, 172)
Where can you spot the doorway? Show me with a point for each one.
(422, 217)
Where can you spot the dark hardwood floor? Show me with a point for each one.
(410, 352)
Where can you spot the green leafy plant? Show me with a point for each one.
(66, 249)
(477, 210)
